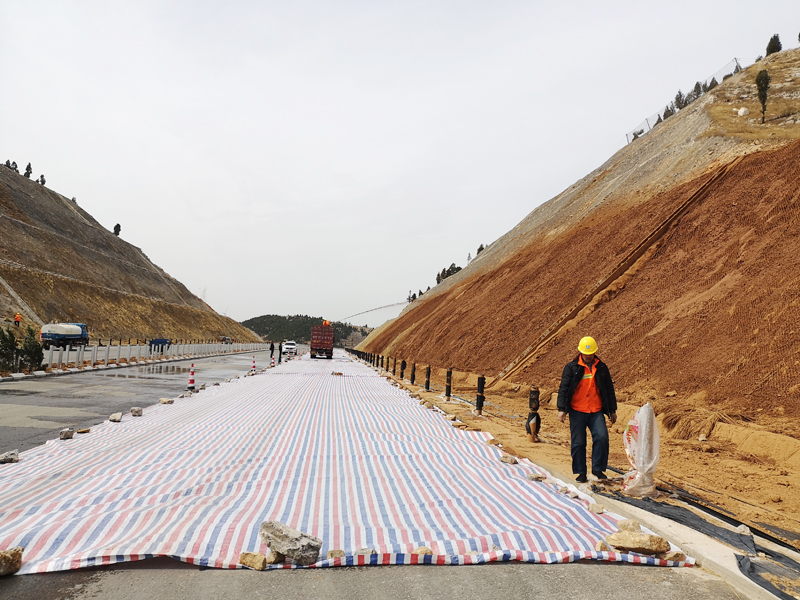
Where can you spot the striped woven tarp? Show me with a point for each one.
(347, 458)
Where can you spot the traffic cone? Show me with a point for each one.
(273, 362)
(190, 386)
(254, 365)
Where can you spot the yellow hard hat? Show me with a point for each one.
(587, 345)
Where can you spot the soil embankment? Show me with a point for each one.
(708, 311)
(58, 264)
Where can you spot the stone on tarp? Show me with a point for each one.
(67, 433)
(166, 400)
(596, 508)
(422, 550)
(11, 560)
(428, 404)
(253, 560)
(495, 548)
(336, 554)
(601, 546)
(493, 442)
(536, 477)
(507, 458)
(87, 430)
(673, 555)
(275, 558)
(631, 538)
(136, 411)
(300, 547)
(116, 417)
(11, 456)
(365, 551)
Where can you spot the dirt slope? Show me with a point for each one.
(680, 255)
(58, 264)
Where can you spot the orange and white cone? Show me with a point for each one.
(190, 386)
(273, 362)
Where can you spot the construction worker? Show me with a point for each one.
(17, 319)
(587, 394)
(271, 349)
(280, 351)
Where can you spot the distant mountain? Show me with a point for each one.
(298, 328)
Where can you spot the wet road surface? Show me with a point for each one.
(33, 411)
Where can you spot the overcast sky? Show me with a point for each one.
(325, 158)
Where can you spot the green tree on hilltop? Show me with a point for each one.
(28, 171)
(762, 83)
(774, 45)
(8, 349)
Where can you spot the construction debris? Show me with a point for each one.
(300, 547)
(275, 558)
(67, 433)
(596, 508)
(428, 405)
(136, 411)
(631, 538)
(507, 458)
(336, 554)
(253, 560)
(11, 560)
(536, 477)
(166, 400)
(423, 550)
(87, 430)
(673, 555)
(365, 552)
(9, 457)
(116, 417)
(601, 546)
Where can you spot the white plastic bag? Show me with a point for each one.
(641, 446)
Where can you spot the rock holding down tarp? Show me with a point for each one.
(301, 547)
(11, 560)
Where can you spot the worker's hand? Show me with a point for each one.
(562, 416)
(612, 417)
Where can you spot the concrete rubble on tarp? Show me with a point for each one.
(11, 456)
(11, 560)
(300, 547)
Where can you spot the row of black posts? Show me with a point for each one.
(377, 360)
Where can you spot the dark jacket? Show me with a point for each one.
(571, 377)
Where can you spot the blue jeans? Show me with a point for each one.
(596, 422)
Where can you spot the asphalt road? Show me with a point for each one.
(33, 411)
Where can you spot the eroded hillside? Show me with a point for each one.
(704, 210)
(58, 264)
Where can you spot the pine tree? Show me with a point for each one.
(669, 110)
(117, 229)
(28, 171)
(680, 100)
(480, 249)
(712, 84)
(41, 179)
(8, 350)
(762, 83)
(31, 352)
(774, 45)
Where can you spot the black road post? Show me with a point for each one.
(402, 369)
(480, 398)
(448, 386)
(428, 378)
(413, 376)
(394, 366)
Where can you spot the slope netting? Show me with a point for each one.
(324, 446)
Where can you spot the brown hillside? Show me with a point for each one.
(680, 255)
(58, 264)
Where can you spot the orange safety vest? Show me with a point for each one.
(586, 398)
(18, 317)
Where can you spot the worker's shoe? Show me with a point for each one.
(599, 474)
(581, 478)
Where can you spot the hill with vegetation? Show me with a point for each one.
(298, 328)
(58, 264)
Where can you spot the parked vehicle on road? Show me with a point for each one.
(62, 335)
(290, 348)
(161, 343)
(224, 339)
(322, 340)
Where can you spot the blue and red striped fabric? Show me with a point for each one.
(347, 458)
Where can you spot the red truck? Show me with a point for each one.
(322, 340)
